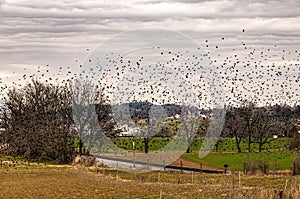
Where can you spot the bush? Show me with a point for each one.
(295, 143)
(263, 166)
(275, 166)
(38, 122)
(250, 167)
(296, 165)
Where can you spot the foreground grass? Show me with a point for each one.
(64, 181)
(282, 160)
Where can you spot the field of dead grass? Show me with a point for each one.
(22, 180)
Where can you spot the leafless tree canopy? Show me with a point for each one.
(38, 122)
(259, 124)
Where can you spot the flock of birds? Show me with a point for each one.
(207, 77)
(264, 75)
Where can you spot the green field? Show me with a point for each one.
(282, 160)
(225, 144)
(274, 152)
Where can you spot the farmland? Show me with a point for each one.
(275, 153)
(278, 160)
(33, 180)
(224, 144)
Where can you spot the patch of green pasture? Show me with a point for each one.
(283, 159)
(126, 143)
(225, 144)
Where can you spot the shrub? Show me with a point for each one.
(275, 166)
(295, 143)
(263, 166)
(296, 165)
(250, 166)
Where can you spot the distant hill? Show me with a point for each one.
(140, 110)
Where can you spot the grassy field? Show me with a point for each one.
(280, 160)
(20, 180)
(225, 144)
(274, 153)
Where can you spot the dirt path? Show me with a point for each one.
(188, 163)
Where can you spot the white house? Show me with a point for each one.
(128, 130)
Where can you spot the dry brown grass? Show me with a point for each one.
(63, 181)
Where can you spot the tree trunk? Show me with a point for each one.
(188, 150)
(237, 141)
(249, 142)
(238, 148)
(80, 146)
(146, 143)
(260, 146)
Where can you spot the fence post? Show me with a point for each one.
(239, 179)
(200, 167)
(294, 168)
(158, 178)
(148, 164)
(192, 177)
(225, 168)
(181, 166)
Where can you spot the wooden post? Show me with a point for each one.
(148, 163)
(158, 178)
(192, 177)
(181, 165)
(294, 168)
(200, 167)
(225, 168)
(239, 179)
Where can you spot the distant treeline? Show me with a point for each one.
(42, 120)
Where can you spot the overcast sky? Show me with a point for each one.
(59, 32)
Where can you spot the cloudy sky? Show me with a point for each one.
(61, 33)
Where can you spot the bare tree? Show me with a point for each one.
(285, 115)
(38, 122)
(91, 112)
(141, 111)
(190, 119)
(246, 111)
(264, 127)
(203, 125)
(236, 126)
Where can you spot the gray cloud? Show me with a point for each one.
(67, 18)
(1, 3)
(152, 9)
(59, 31)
